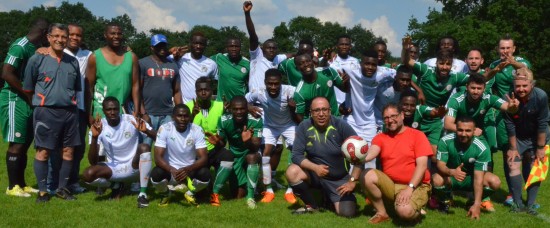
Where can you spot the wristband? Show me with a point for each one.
(540, 147)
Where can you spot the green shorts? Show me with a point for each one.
(466, 185)
(490, 131)
(15, 118)
(239, 167)
(501, 133)
(433, 130)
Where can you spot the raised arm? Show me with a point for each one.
(247, 7)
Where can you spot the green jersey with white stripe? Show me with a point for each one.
(475, 156)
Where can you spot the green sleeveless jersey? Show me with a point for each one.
(111, 80)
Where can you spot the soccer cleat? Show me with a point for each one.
(215, 200)
(268, 197)
(142, 201)
(517, 208)
(305, 210)
(164, 199)
(43, 197)
(65, 194)
(532, 210)
(377, 218)
(444, 206)
(509, 200)
(251, 203)
(17, 191)
(290, 198)
(30, 190)
(190, 199)
(487, 206)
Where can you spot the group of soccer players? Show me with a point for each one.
(52, 94)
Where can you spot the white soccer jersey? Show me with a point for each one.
(275, 110)
(363, 92)
(458, 66)
(349, 63)
(120, 142)
(82, 57)
(181, 147)
(386, 94)
(190, 70)
(258, 66)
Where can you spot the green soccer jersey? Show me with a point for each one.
(19, 53)
(111, 80)
(233, 78)
(288, 68)
(477, 156)
(327, 78)
(228, 131)
(437, 92)
(503, 80)
(208, 119)
(458, 105)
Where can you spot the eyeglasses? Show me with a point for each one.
(319, 110)
(391, 117)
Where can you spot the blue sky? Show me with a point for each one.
(386, 18)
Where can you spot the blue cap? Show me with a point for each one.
(157, 39)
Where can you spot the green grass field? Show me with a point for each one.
(93, 211)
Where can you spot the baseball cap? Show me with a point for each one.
(157, 39)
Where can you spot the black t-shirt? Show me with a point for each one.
(158, 80)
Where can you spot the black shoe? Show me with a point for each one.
(43, 197)
(65, 194)
(142, 201)
(116, 193)
(444, 206)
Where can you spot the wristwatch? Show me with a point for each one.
(411, 185)
(352, 179)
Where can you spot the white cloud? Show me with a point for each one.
(264, 31)
(50, 3)
(147, 15)
(325, 10)
(381, 27)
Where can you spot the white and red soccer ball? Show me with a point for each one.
(355, 149)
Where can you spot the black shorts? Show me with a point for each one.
(55, 127)
(217, 156)
(329, 187)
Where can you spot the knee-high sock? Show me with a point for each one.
(100, 182)
(22, 166)
(516, 183)
(41, 173)
(487, 193)
(145, 165)
(266, 171)
(12, 163)
(65, 172)
(161, 186)
(301, 189)
(252, 173)
(532, 193)
(442, 192)
(221, 176)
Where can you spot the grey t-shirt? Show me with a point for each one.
(54, 83)
(158, 85)
(323, 147)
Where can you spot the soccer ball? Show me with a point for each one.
(355, 149)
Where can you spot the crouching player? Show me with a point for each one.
(462, 163)
(181, 157)
(127, 159)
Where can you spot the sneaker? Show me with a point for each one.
(65, 194)
(142, 201)
(290, 198)
(251, 203)
(268, 197)
(532, 210)
(377, 218)
(487, 206)
(517, 208)
(305, 210)
(76, 188)
(17, 191)
(509, 200)
(190, 199)
(164, 199)
(43, 197)
(444, 206)
(433, 203)
(116, 193)
(215, 200)
(29, 189)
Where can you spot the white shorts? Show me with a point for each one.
(122, 171)
(271, 135)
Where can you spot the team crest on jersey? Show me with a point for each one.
(353, 66)
(329, 83)
(204, 69)
(448, 87)
(189, 142)
(482, 111)
(243, 70)
(127, 134)
(414, 125)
